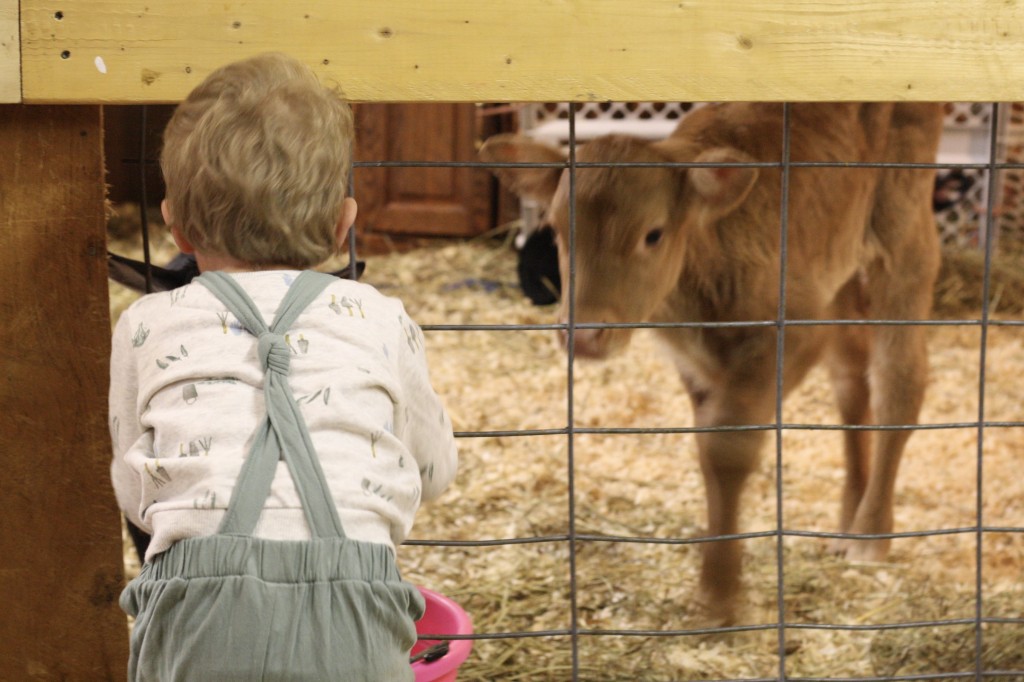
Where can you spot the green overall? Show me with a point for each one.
(231, 606)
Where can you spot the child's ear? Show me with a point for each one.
(183, 244)
(165, 211)
(349, 209)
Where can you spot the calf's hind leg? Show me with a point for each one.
(900, 288)
(900, 284)
(849, 353)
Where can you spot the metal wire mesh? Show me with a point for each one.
(571, 431)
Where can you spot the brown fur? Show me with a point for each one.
(861, 242)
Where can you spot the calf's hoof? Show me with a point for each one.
(861, 551)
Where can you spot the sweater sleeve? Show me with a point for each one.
(427, 428)
(125, 428)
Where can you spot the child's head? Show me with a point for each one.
(256, 164)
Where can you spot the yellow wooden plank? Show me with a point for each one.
(537, 50)
(10, 53)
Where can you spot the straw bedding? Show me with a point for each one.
(649, 486)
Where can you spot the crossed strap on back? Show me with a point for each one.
(283, 433)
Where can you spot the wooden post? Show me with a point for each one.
(61, 566)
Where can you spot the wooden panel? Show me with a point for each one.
(10, 53)
(443, 201)
(122, 145)
(538, 50)
(61, 566)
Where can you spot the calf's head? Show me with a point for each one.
(632, 226)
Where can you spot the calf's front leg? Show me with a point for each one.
(727, 459)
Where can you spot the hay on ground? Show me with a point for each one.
(649, 486)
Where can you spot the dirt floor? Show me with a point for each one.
(648, 486)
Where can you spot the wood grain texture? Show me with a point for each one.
(10, 53)
(61, 567)
(442, 201)
(538, 50)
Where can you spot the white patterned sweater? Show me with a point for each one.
(186, 396)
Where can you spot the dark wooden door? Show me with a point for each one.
(420, 201)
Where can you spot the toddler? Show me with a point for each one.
(274, 428)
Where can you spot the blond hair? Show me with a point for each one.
(256, 163)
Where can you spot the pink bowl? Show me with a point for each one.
(442, 617)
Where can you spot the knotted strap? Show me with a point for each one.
(283, 433)
(274, 353)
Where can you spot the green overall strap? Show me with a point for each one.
(283, 433)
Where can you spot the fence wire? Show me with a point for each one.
(571, 430)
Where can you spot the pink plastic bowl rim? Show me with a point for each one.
(443, 617)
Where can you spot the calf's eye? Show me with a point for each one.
(653, 237)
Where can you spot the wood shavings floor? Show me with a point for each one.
(648, 485)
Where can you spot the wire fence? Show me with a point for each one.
(783, 627)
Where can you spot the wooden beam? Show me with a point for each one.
(61, 563)
(10, 53)
(538, 50)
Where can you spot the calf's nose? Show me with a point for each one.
(587, 343)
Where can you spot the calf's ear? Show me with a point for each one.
(538, 184)
(723, 188)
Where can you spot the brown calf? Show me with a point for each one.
(702, 244)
